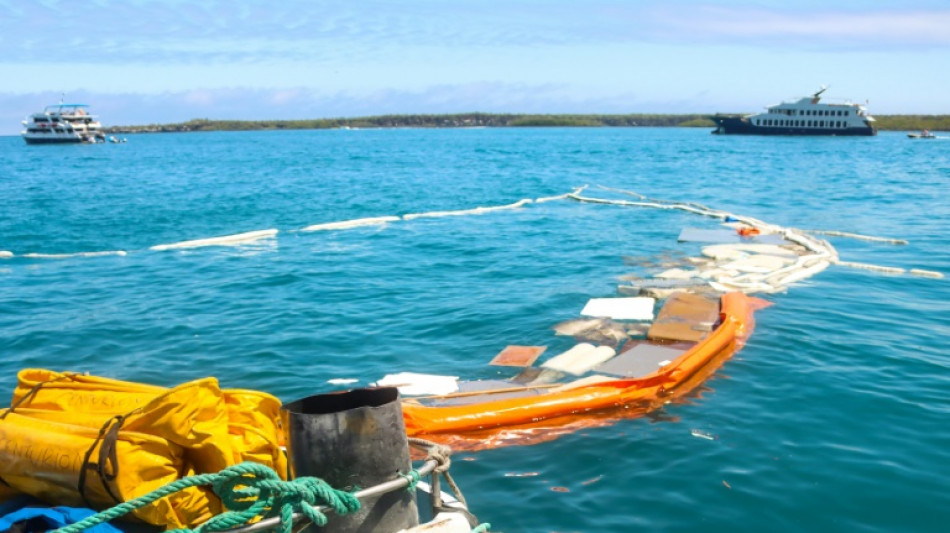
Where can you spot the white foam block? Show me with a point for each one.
(566, 359)
(636, 308)
(580, 359)
(413, 384)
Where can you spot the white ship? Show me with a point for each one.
(807, 116)
(63, 123)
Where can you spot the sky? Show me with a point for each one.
(156, 62)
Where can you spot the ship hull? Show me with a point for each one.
(62, 139)
(742, 126)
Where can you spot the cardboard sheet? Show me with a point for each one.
(685, 317)
(518, 355)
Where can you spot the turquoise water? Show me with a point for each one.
(833, 418)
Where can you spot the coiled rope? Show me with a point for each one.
(250, 491)
(254, 493)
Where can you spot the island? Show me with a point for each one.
(492, 120)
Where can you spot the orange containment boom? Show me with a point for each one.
(677, 377)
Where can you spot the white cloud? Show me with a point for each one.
(808, 28)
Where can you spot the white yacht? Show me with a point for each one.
(806, 116)
(63, 123)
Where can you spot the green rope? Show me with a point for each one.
(412, 479)
(249, 490)
(481, 528)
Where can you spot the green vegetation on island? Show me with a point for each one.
(490, 120)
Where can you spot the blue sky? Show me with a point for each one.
(142, 61)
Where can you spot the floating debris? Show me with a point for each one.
(342, 381)
(597, 330)
(642, 359)
(730, 236)
(636, 308)
(702, 434)
(413, 384)
(684, 317)
(580, 359)
(592, 480)
(678, 274)
(577, 326)
(518, 355)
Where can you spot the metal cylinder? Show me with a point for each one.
(354, 440)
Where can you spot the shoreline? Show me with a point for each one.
(491, 120)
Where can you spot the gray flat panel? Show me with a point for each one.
(639, 361)
(470, 389)
(727, 236)
(484, 384)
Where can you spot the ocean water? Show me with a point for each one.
(834, 417)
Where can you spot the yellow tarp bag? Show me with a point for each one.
(69, 464)
(254, 424)
(192, 415)
(223, 427)
(70, 391)
(6, 493)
